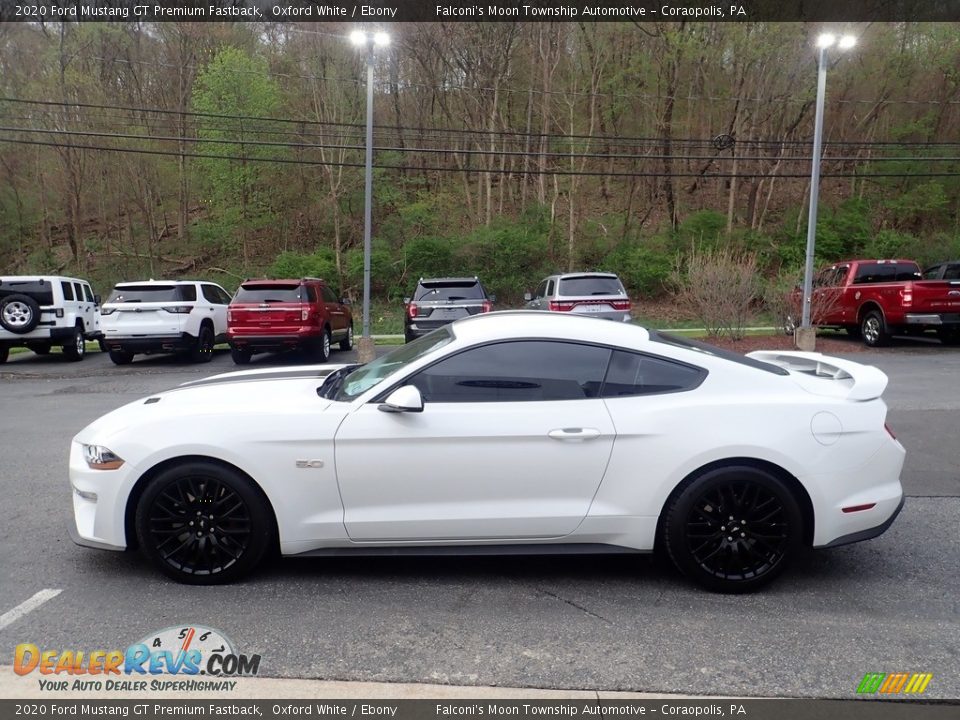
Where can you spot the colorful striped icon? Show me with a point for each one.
(893, 683)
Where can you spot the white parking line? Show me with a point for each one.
(11, 616)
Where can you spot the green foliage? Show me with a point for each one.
(425, 256)
(643, 269)
(844, 230)
(321, 264)
(703, 229)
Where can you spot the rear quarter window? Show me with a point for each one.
(631, 374)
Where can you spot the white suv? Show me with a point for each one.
(163, 316)
(40, 311)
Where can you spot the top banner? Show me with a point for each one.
(380, 11)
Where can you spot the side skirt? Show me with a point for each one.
(441, 550)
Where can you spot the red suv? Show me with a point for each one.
(273, 315)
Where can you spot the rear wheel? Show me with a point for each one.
(4, 354)
(202, 351)
(76, 348)
(874, 329)
(120, 357)
(949, 336)
(321, 347)
(347, 342)
(202, 523)
(41, 349)
(733, 529)
(240, 356)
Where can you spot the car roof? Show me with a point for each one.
(36, 278)
(151, 281)
(430, 281)
(531, 323)
(266, 282)
(564, 276)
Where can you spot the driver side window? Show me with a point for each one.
(524, 371)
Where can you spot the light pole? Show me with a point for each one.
(365, 348)
(824, 42)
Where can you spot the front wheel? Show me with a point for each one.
(873, 329)
(202, 523)
(347, 342)
(76, 348)
(733, 529)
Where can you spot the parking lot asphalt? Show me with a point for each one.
(617, 623)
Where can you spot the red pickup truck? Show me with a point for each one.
(876, 299)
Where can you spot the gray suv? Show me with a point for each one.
(439, 301)
(597, 294)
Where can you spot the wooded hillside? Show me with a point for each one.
(132, 150)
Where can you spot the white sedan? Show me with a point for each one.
(515, 432)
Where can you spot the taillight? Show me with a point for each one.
(889, 431)
(229, 316)
(304, 313)
(859, 508)
(560, 306)
(412, 310)
(487, 306)
(621, 304)
(907, 295)
(178, 309)
(107, 311)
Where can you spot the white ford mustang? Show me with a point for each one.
(511, 432)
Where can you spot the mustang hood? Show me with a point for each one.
(232, 393)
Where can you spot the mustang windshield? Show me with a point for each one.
(365, 377)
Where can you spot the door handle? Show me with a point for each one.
(575, 434)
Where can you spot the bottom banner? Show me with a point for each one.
(446, 709)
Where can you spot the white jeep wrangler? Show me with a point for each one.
(40, 311)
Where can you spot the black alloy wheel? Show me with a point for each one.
(202, 523)
(733, 529)
(202, 351)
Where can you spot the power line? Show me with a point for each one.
(494, 171)
(456, 151)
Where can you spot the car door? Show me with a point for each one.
(336, 311)
(512, 442)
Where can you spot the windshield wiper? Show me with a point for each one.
(333, 381)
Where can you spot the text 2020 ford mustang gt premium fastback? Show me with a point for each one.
(503, 433)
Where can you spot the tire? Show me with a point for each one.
(4, 354)
(240, 356)
(19, 314)
(42, 349)
(347, 342)
(873, 329)
(853, 331)
(75, 349)
(177, 534)
(321, 347)
(408, 337)
(949, 336)
(120, 357)
(704, 545)
(202, 351)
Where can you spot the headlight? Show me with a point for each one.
(101, 458)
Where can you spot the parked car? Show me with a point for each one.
(275, 315)
(438, 301)
(943, 271)
(40, 311)
(876, 299)
(164, 316)
(503, 432)
(591, 293)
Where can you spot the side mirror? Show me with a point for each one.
(527, 297)
(492, 298)
(403, 399)
(406, 301)
(96, 300)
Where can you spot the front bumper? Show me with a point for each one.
(99, 502)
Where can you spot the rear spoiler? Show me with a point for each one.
(844, 378)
